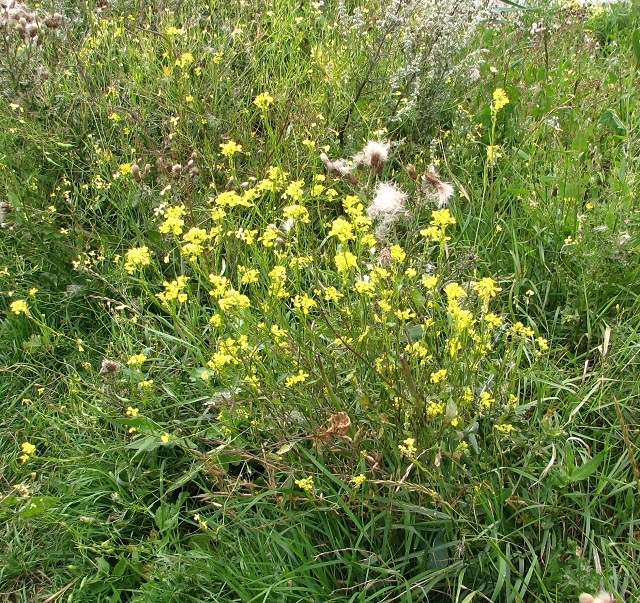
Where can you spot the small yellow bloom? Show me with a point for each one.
(306, 483)
(263, 101)
(505, 428)
(486, 400)
(230, 148)
(165, 437)
(301, 377)
(131, 411)
(438, 376)
(137, 257)
(27, 448)
(357, 480)
(345, 261)
(500, 99)
(136, 360)
(19, 307)
(408, 447)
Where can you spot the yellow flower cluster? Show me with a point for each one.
(173, 221)
(28, 450)
(136, 258)
(305, 483)
(136, 360)
(174, 290)
(440, 219)
(263, 101)
(19, 306)
(408, 447)
(500, 99)
(301, 377)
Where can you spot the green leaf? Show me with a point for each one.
(37, 506)
(584, 471)
(635, 44)
(610, 119)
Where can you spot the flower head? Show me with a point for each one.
(374, 154)
(500, 99)
(442, 190)
(388, 204)
(19, 306)
(263, 101)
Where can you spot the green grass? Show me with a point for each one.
(214, 389)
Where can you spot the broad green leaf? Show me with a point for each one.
(609, 118)
(584, 471)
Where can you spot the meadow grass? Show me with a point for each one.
(319, 302)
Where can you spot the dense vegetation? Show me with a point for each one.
(330, 301)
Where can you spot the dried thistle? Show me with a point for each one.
(374, 154)
(109, 366)
(338, 167)
(443, 190)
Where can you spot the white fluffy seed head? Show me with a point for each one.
(374, 154)
(443, 190)
(388, 204)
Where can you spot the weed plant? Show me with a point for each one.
(257, 348)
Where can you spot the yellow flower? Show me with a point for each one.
(248, 276)
(342, 230)
(19, 307)
(263, 101)
(438, 376)
(146, 383)
(165, 437)
(486, 400)
(173, 221)
(306, 483)
(301, 377)
(125, 168)
(365, 287)
(519, 329)
(505, 428)
(429, 281)
(230, 148)
(294, 190)
(136, 360)
(435, 409)
(493, 153)
(397, 253)
(408, 447)
(345, 260)
(296, 212)
(33, 291)
(137, 257)
(486, 289)
(131, 411)
(27, 448)
(500, 99)
(304, 303)
(492, 320)
(442, 218)
(233, 300)
(186, 58)
(357, 480)
(174, 290)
